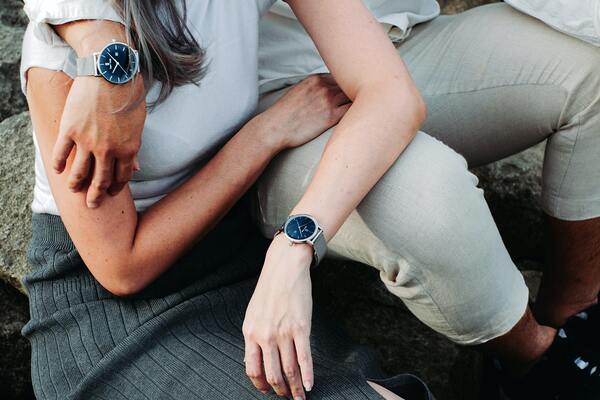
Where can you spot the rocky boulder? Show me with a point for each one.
(16, 181)
(12, 28)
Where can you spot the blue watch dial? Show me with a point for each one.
(117, 63)
(300, 227)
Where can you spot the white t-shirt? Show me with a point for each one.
(287, 54)
(579, 18)
(182, 133)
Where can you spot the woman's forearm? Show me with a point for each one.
(193, 209)
(89, 36)
(380, 124)
(126, 251)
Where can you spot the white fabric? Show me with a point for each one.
(183, 132)
(287, 54)
(579, 18)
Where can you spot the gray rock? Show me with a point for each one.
(457, 6)
(16, 181)
(513, 188)
(12, 23)
(15, 352)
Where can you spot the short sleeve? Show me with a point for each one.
(43, 13)
(580, 19)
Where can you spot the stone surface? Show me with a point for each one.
(15, 352)
(351, 292)
(16, 181)
(513, 188)
(12, 23)
(456, 6)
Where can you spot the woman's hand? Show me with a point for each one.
(278, 322)
(105, 123)
(306, 110)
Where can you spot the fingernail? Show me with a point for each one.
(298, 398)
(307, 387)
(92, 205)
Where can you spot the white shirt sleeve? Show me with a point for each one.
(578, 18)
(43, 13)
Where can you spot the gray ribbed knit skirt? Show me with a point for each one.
(180, 338)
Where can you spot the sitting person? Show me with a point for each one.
(141, 294)
(495, 82)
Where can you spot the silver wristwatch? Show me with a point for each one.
(303, 228)
(117, 62)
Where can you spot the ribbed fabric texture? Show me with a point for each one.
(178, 339)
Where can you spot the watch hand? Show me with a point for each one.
(118, 64)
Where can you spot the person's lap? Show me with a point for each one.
(496, 82)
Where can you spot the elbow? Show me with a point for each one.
(420, 111)
(121, 280)
(121, 288)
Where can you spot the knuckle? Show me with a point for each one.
(100, 186)
(253, 373)
(290, 372)
(314, 79)
(302, 327)
(274, 380)
(267, 336)
(76, 177)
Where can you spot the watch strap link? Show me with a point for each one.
(320, 247)
(88, 66)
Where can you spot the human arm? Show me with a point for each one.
(386, 113)
(126, 251)
(106, 155)
(104, 121)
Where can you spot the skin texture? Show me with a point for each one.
(571, 279)
(125, 252)
(368, 139)
(105, 157)
(364, 145)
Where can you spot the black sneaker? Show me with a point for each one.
(568, 371)
(585, 327)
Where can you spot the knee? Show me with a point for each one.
(432, 190)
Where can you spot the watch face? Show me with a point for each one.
(117, 63)
(300, 227)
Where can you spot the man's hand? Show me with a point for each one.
(104, 122)
(278, 322)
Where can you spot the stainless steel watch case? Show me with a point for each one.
(316, 240)
(90, 65)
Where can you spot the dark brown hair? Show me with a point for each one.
(169, 53)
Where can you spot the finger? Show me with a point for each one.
(273, 370)
(60, 153)
(103, 173)
(339, 112)
(136, 164)
(305, 361)
(340, 99)
(123, 173)
(327, 78)
(254, 369)
(79, 170)
(289, 362)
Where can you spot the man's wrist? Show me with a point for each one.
(267, 134)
